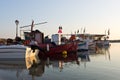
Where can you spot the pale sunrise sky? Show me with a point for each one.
(95, 16)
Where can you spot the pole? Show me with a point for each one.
(16, 22)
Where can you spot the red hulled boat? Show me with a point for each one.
(48, 48)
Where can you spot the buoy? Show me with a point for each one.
(64, 56)
(64, 52)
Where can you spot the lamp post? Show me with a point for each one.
(16, 22)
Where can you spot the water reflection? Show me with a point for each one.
(32, 67)
(60, 62)
(84, 57)
(103, 51)
(9, 67)
(37, 69)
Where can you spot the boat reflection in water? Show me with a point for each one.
(34, 64)
(20, 68)
(103, 51)
(33, 67)
(12, 69)
(61, 60)
(84, 57)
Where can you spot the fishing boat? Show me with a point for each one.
(82, 46)
(102, 40)
(47, 50)
(51, 47)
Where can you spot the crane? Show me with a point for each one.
(32, 25)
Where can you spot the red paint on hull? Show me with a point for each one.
(58, 49)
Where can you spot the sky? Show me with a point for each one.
(96, 16)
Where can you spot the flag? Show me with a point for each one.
(32, 25)
(84, 30)
(109, 32)
(78, 31)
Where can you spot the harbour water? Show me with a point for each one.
(101, 65)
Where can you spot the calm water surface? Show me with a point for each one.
(102, 65)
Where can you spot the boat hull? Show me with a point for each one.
(12, 51)
(53, 50)
(71, 47)
(82, 46)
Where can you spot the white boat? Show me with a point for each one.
(86, 42)
(83, 46)
(102, 43)
(106, 43)
(12, 51)
(12, 48)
